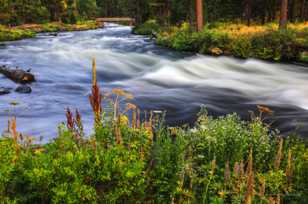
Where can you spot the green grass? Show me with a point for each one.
(30, 30)
(14, 34)
(219, 160)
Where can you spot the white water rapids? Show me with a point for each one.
(159, 79)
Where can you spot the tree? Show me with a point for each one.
(283, 14)
(199, 14)
(87, 9)
(247, 12)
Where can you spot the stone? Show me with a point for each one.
(4, 91)
(25, 89)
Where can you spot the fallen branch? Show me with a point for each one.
(17, 75)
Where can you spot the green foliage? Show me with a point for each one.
(276, 45)
(238, 40)
(150, 27)
(41, 11)
(87, 9)
(170, 165)
(241, 47)
(21, 32)
(14, 34)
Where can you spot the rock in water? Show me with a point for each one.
(17, 75)
(23, 89)
(4, 91)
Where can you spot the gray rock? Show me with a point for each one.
(23, 89)
(4, 91)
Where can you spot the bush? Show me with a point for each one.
(148, 28)
(241, 47)
(276, 45)
(263, 42)
(212, 39)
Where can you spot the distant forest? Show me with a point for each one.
(15, 12)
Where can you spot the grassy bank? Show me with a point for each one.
(140, 160)
(262, 42)
(30, 30)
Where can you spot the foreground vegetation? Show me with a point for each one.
(140, 160)
(264, 42)
(30, 30)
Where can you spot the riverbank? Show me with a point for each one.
(30, 30)
(264, 42)
(142, 160)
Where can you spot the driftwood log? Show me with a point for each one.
(17, 75)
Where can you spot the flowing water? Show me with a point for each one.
(160, 79)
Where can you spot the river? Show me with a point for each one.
(160, 79)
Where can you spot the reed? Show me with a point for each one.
(227, 172)
(279, 154)
(289, 167)
(250, 180)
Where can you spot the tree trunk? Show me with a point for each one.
(283, 14)
(247, 13)
(199, 14)
(302, 12)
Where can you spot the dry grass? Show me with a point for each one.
(242, 30)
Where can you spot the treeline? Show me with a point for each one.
(14, 12)
(259, 11)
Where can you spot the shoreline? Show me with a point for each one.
(263, 42)
(26, 31)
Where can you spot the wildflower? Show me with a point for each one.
(130, 106)
(39, 150)
(250, 180)
(69, 119)
(96, 96)
(264, 109)
(124, 120)
(123, 93)
(221, 194)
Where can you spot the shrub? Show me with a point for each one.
(212, 39)
(148, 28)
(276, 45)
(241, 47)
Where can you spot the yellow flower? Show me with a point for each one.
(221, 194)
(39, 150)
(124, 120)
